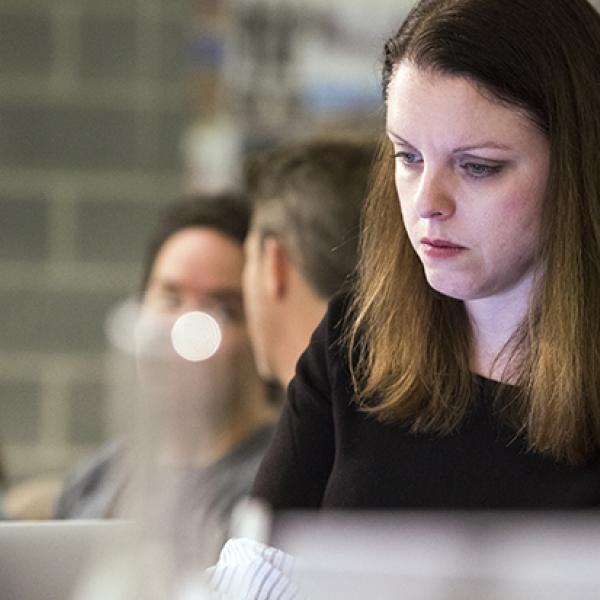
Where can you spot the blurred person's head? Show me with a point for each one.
(194, 263)
(226, 214)
(306, 200)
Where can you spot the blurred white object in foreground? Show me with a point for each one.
(182, 407)
(416, 556)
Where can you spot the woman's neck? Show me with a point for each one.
(494, 322)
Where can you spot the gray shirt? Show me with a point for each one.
(93, 489)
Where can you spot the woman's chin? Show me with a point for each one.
(453, 287)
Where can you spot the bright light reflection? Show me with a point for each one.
(196, 336)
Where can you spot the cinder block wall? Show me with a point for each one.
(90, 128)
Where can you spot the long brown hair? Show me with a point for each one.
(409, 345)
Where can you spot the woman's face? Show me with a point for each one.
(471, 176)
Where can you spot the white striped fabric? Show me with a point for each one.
(249, 570)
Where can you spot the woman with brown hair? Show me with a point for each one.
(463, 369)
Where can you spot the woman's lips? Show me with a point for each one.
(441, 248)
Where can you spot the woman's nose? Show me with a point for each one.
(435, 198)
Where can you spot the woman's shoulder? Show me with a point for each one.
(328, 339)
(334, 326)
(325, 360)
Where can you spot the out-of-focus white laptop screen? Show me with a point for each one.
(44, 560)
(456, 556)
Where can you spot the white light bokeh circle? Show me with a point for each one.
(196, 336)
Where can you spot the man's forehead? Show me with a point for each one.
(175, 284)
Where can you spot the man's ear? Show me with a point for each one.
(276, 263)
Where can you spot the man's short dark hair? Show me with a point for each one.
(227, 213)
(309, 196)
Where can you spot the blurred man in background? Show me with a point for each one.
(302, 245)
(208, 421)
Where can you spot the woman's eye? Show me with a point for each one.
(408, 158)
(480, 169)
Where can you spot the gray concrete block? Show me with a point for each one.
(86, 416)
(20, 407)
(67, 136)
(172, 51)
(25, 44)
(166, 154)
(108, 48)
(115, 230)
(49, 321)
(110, 7)
(23, 228)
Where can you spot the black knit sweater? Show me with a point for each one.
(327, 453)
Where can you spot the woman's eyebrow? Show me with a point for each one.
(482, 146)
(397, 138)
(465, 148)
